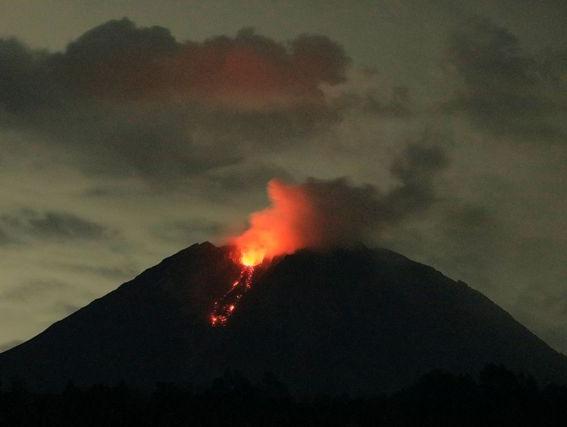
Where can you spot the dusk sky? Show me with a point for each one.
(132, 129)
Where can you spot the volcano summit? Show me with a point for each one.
(354, 320)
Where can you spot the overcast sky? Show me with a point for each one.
(132, 129)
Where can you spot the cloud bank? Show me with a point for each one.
(133, 100)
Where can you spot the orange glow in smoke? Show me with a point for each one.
(284, 227)
(276, 230)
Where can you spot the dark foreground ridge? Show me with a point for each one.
(497, 397)
(354, 321)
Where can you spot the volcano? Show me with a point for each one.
(358, 320)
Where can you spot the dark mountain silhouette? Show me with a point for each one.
(358, 321)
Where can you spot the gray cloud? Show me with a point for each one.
(114, 273)
(389, 102)
(49, 225)
(186, 232)
(33, 289)
(4, 238)
(416, 171)
(505, 90)
(249, 177)
(64, 309)
(399, 104)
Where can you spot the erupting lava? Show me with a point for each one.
(273, 231)
(299, 216)
(279, 229)
(252, 257)
(224, 307)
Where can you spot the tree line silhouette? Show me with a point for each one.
(496, 397)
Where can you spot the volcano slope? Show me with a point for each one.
(356, 321)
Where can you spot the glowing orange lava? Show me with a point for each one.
(225, 307)
(252, 256)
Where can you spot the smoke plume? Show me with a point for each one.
(323, 214)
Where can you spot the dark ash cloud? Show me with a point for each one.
(130, 100)
(120, 61)
(352, 213)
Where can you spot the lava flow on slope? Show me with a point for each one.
(248, 259)
(225, 306)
